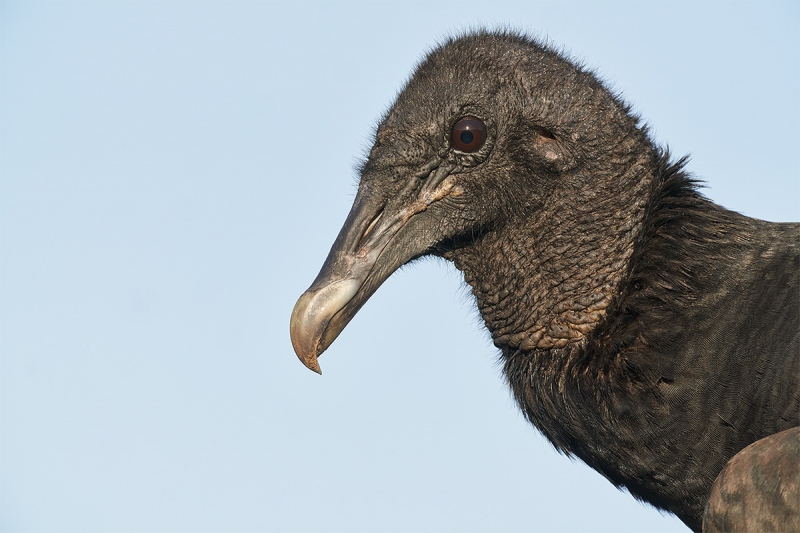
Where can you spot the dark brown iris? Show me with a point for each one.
(468, 135)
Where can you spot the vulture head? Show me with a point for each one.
(491, 132)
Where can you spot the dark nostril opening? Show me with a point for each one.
(370, 227)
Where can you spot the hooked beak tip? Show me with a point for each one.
(313, 364)
(312, 328)
(305, 340)
(310, 361)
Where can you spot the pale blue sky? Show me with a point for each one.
(172, 175)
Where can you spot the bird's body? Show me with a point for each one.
(643, 329)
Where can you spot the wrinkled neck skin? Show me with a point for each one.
(542, 295)
(546, 289)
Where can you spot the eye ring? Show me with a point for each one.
(468, 135)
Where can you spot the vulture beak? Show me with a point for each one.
(361, 259)
(341, 287)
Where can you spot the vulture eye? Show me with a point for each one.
(469, 134)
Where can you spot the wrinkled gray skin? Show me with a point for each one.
(642, 328)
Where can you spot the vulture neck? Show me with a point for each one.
(571, 310)
(541, 291)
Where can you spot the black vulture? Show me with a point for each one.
(642, 328)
